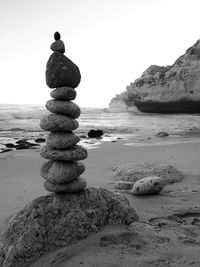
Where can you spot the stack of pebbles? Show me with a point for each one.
(62, 170)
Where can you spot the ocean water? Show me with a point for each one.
(22, 121)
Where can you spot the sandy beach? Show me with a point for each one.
(158, 239)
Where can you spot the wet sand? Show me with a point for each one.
(168, 231)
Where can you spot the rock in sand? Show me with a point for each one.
(49, 222)
(148, 185)
(123, 185)
(134, 172)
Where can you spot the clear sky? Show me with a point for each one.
(112, 42)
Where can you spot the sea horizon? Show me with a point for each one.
(19, 121)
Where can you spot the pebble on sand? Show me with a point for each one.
(148, 185)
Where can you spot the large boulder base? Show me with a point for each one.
(132, 172)
(52, 221)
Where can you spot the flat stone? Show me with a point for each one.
(75, 186)
(75, 153)
(63, 93)
(63, 107)
(133, 172)
(58, 46)
(148, 185)
(57, 220)
(59, 172)
(58, 122)
(123, 185)
(61, 71)
(61, 140)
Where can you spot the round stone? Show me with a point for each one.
(61, 171)
(63, 93)
(61, 140)
(58, 123)
(57, 36)
(61, 71)
(75, 153)
(58, 46)
(75, 186)
(63, 107)
(148, 185)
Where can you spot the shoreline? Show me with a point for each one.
(20, 169)
(91, 143)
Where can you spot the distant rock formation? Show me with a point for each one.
(121, 103)
(171, 89)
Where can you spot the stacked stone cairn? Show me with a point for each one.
(62, 170)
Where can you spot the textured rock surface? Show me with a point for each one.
(131, 172)
(121, 103)
(49, 222)
(61, 140)
(61, 171)
(171, 89)
(58, 122)
(123, 185)
(61, 71)
(63, 93)
(148, 185)
(74, 186)
(63, 107)
(74, 153)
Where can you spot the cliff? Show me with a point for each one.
(171, 89)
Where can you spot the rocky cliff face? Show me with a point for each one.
(121, 103)
(168, 89)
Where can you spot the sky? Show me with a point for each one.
(111, 41)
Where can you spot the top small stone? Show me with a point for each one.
(57, 36)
